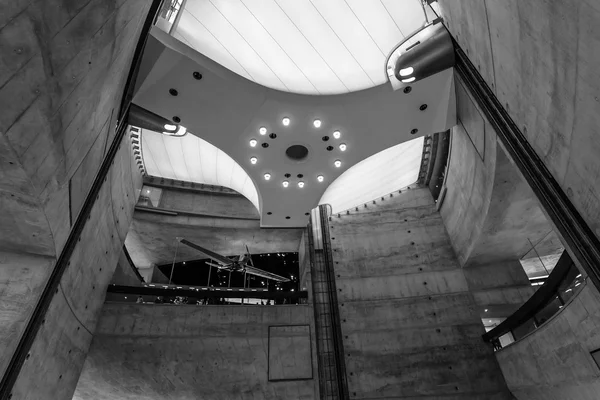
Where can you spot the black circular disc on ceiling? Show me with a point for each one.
(173, 92)
(265, 145)
(287, 175)
(300, 176)
(414, 131)
(407, 89)
(287, 217)
(423, 107)
(176, 119)
(325, 138)
(305, 213)
(297, 152)
(272, 136)
(269, 213)
(197, 75)
(329, 148)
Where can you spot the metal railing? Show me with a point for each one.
(561, 285)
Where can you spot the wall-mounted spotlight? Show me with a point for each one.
(420, 55)
(142, 118)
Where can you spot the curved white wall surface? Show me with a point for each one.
(376, 176)
(192, 159)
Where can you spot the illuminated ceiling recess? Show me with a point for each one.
(192, 159)
(301, 46)
(293, 160)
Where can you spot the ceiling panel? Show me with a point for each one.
(376, 176)
(300, 46)
(192, 159)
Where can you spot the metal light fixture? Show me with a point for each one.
(317, 123)
(343, 147)
(337, 163)
(253, 160)
(285, 184)
(300, 184)
(262, 130)
(320, 178)
(267, 176)
(337, 134)
(253, 142)
(285, 121)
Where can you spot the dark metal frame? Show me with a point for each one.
(35, 321)
(537, 302)
(577, 235)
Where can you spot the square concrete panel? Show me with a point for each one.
(290, 356)
(471, 119)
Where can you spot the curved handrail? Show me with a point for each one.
(536, 302)
(132, 265)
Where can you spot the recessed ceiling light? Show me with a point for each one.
(285, 183)
(317, 123)
(253, 142)
(343, 147)
(337, 134)
(267, 176)
(170, 127)
(300, 184)
(408, 80)
(262, 130)
(320, 178)
(337, 163)
(486, 310)
(285, 121)
(253, 160)
(406, 71)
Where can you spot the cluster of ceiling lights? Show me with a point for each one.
(407, 72)
(286, 122)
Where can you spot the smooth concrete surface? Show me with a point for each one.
(410, 326)
(148, 351)
(152, 237)
(554, 362)
(539, 57)
(62, 75)
(124, 273)
(208, 203)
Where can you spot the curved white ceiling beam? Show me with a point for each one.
(192, 159)
(300, 46)
(376, 176)
(227, 111)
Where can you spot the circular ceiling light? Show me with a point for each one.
(320, 178)
(408, 80)
(317, 123)
(262, 130)
(285, 183)
(300, 184)
(337, 134)
(343, 147)
(337, 163)
(406, 71)
(170, 127)
(253, 142)
(253, 160)
(267, 176)
(285, 121)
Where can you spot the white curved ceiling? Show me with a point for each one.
(192, 159)
(376, 176)
(301, 46)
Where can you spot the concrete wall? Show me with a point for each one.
(539, 58)
(147, 351)
(409, 323)
(62, 75)
(208, 203)
(124, 273)
(554, 362)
